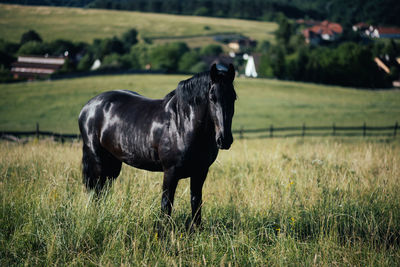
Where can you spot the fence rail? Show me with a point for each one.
(269, 132)
(321, 131)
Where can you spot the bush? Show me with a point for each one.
(129, 38)
(33, 48)
(5, 74)
(188, 60)
(30, 36)
(211, 50)
(199, 67)
(85, 63)
(141, 54)
(166, 57)
(103, 47)
(6, 59)
(115, 61)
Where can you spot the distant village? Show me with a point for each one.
(238, 49)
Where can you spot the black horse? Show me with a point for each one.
(179, 135)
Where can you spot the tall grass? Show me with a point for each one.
(266, 202)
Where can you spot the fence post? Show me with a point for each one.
(37, 130)
(333, 129)
(271, 131)
(241, 132)
(304, 130)
(395, 129)
(364, 129)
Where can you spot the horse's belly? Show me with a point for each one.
(144, 164)
(146, 160)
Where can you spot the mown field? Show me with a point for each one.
(55, 105)
(77, 24)
(271, 202)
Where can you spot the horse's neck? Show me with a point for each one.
(194, 119)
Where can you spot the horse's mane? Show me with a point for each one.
(193, 90)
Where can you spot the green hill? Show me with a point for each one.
(78, 24)
(56, 104)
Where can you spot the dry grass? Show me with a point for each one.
(78, 24)
(266, 202)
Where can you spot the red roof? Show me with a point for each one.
(361, 25)
(384, 30)
(325, 27)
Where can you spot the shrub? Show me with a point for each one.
(30, 36)
(188, 60)
(166, 57)
(33, 48)
(211, 50)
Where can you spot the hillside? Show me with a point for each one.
(77, 24)
(376, 12)
(56, 104)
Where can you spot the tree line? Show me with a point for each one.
(346, 62)
(116, 53)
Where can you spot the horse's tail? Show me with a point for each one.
(90, 176)
(91, 169)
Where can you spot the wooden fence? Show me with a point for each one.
(270, 132)
(333, 130)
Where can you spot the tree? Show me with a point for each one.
(277, 61)
(211, 50)
(102, 47)
(115, 61)
(85, 63)
(284, 31)
(59, 47)
(166, 57)
(33, 48)
(30, 36)
(141, 54)
(129, 38)
(188, 60)
(265, 69)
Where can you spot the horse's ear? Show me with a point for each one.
(213, 73)
(231, 73)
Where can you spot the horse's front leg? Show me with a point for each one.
(169, 186)
(196, 187)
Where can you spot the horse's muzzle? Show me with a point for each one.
(224, 142)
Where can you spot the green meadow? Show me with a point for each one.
(77, 24)
(267, 202)
(55, 105)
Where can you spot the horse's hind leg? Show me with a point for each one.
(98, 166)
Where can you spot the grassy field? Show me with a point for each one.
(77, 24)
(56, 104)
(276, 202)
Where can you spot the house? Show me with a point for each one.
(384, 32)
(240, 44)
(32, 67)
(371, 31)
(360, 27)
(323, 31)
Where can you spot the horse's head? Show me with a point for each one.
(222, 98)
